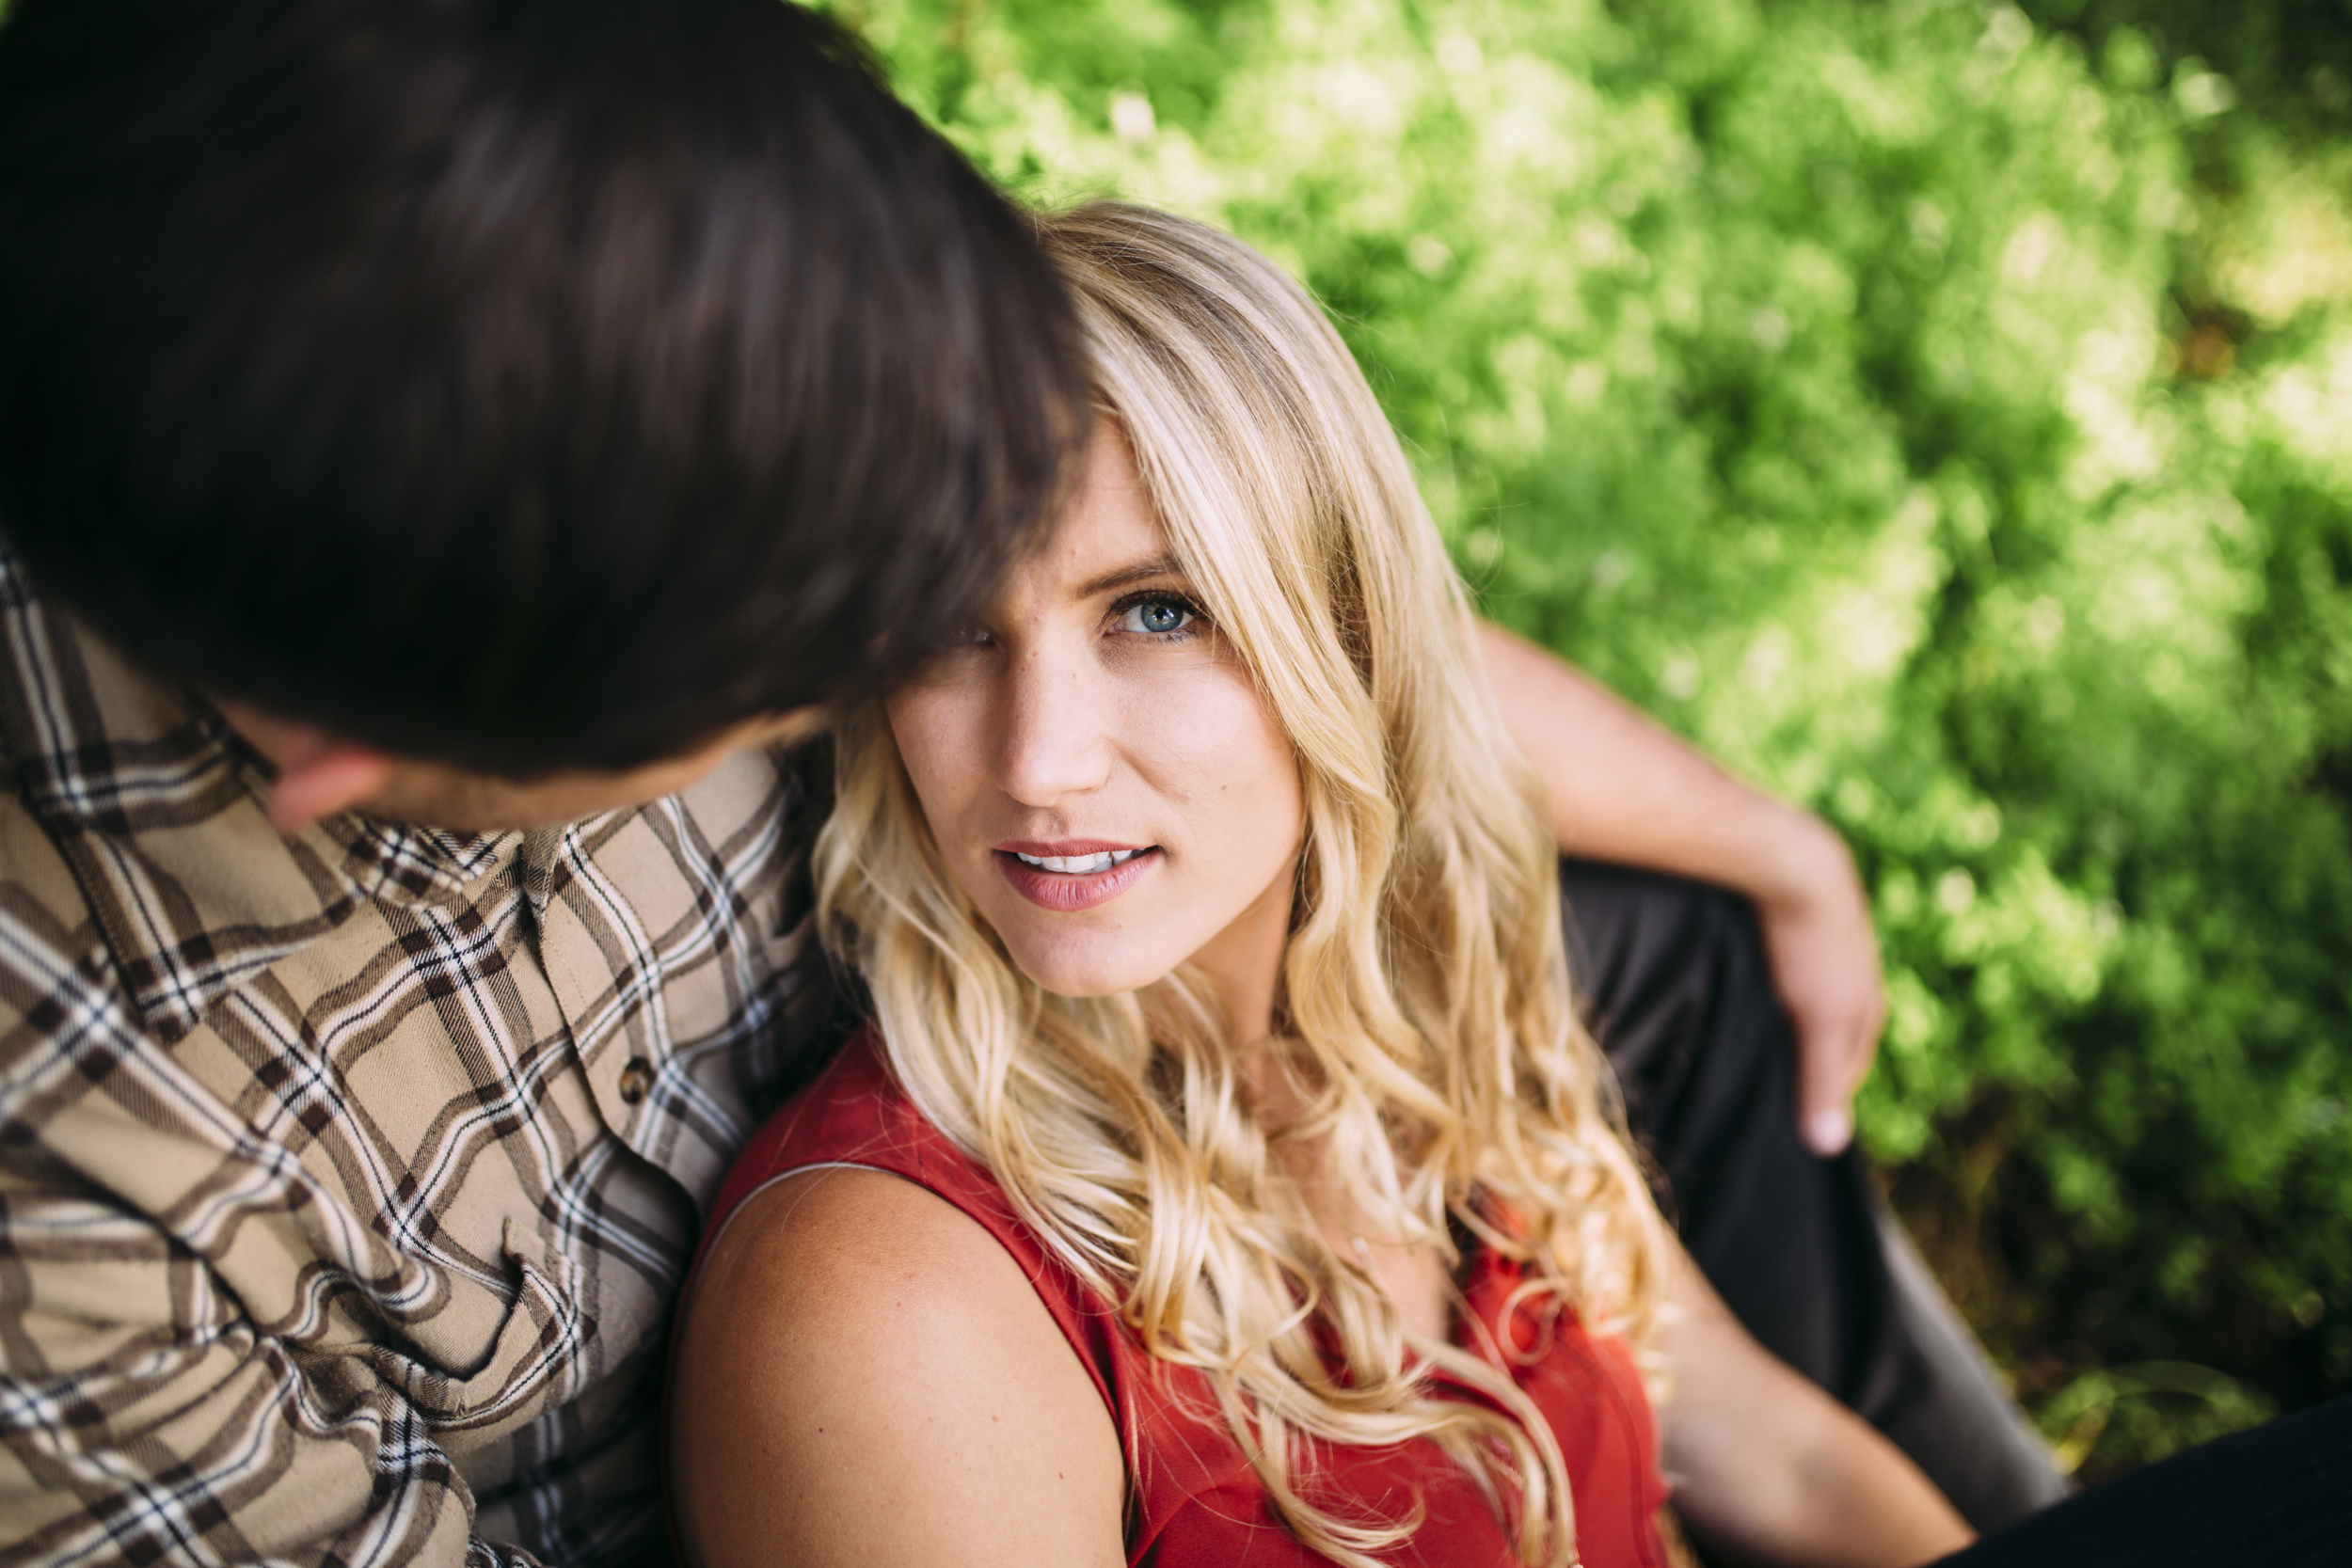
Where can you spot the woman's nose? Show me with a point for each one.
(1056, 739)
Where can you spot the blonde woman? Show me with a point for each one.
(1226, 1178)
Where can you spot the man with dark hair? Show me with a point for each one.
(498, 413)
(447, 447)
(527, 388)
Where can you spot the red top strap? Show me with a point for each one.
(1194, 1499)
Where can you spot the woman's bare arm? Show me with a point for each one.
(864, 1376)
(1769, 1469)
(1622, 788)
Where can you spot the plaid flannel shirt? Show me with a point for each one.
(346, 1182)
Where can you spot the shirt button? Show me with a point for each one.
(636, 1079)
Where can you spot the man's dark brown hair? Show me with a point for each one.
(523, 384)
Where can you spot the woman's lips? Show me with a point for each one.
(1066, 892)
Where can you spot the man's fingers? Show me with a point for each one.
(1832, 1062)
(1824, 957)
(1828, 1130)
(1826, 1085)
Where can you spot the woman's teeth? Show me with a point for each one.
(1078, 865)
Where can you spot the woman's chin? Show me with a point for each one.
(1088, 974)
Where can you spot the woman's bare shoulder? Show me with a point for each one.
(832, 1231)
(863, 1373)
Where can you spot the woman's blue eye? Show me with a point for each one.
(1155, 617)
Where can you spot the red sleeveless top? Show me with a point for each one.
(1193, 1498)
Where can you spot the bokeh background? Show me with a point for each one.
(1941, 412)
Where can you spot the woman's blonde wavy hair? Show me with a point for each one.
(1425, 991)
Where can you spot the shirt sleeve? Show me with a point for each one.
(144, 1420)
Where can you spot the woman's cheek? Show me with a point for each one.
(1235, 760)
(932, 727)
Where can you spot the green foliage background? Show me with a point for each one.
(1934, 413)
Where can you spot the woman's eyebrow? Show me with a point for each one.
(1157, 567)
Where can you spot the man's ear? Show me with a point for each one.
(319, 775)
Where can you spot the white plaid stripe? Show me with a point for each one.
(324, 1222)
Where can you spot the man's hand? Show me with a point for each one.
(1825, 966)
(1624, 789)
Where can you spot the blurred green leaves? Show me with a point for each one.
(1939, 419)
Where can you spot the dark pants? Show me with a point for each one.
(2279, 1496)
(1675, 986)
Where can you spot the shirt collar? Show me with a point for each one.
(158, 807)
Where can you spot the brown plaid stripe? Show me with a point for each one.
(345, 1182)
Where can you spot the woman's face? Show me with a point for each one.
(1098, 768)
